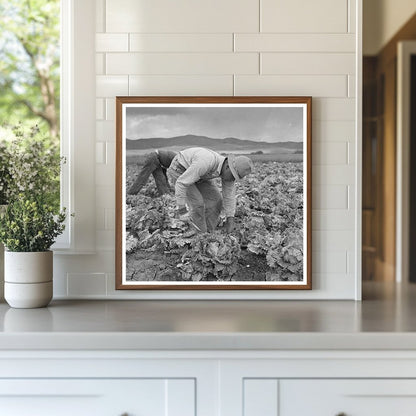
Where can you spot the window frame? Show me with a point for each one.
(77, 98)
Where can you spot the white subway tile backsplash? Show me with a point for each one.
(186, 48)
(294, 42)
(110, 153)
(100, 218)
(330, 153)
(351, 153)
(352, 18)
(98, 262)
(333, 109)
(105, 175)
(351, 86)
(112, 42)
(182, 63)
(111, 284)
(100, 15)
(336, 285)
(60, 283)
(351, 262)
(111, 86)
(182, 42)
(105, 131)
(300, 16)
(333, 220)
(105, 240)
(99, 63)
(351, 197)
(329, 262)
(333, 240)
(181, 85)
(104, 196)
(99, 109)
(330, 196)
(109, 219)
(333, 174)
(182, 16)
(333, 131)
(100, 156)
(307, 63)
(86, 284)
(110, 109)
(314, 85)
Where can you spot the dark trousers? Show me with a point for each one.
(151, 167)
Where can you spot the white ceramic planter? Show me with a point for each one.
(28, 279)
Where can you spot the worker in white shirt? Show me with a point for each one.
(192, 172)
(156, 163)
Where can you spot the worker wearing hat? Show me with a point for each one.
(193, 171)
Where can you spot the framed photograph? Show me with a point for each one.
(213, 193)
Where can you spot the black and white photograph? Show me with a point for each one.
(213, 193)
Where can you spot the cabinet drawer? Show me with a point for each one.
(86, 397)
(348, 397)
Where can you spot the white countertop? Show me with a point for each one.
(384, 320)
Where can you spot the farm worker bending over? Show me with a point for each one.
(192, 172)
(156, 164)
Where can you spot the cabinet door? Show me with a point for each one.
(86, 397)
(347, 397)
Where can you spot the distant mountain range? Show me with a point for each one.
(190, 140)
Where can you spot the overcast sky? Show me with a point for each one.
(270, 124)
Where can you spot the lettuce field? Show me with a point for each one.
(266, 245)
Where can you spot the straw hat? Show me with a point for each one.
(240, 166)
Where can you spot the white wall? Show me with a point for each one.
(232, 47)
(381, 20)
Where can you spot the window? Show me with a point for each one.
(47, 77)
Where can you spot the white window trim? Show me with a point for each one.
(78, 126)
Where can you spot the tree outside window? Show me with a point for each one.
(30, 64)
(30, 75)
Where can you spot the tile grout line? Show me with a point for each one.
(348, 153)
(260, 20)
(347, 268)
(348, 197)
(348, 16)
(233, 84)
(104, 17)
(260, 64)
(348, 86)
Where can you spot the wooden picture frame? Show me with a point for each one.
(159, 247)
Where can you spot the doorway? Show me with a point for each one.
(386, 217)
(406, 155)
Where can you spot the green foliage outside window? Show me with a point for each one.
(30, 75)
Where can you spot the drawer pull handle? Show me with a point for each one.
(341, 414)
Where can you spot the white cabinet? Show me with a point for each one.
(86, 397)
(349, 397)
(207, 383)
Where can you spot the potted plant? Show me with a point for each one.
(32, 220)
(28, 228)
